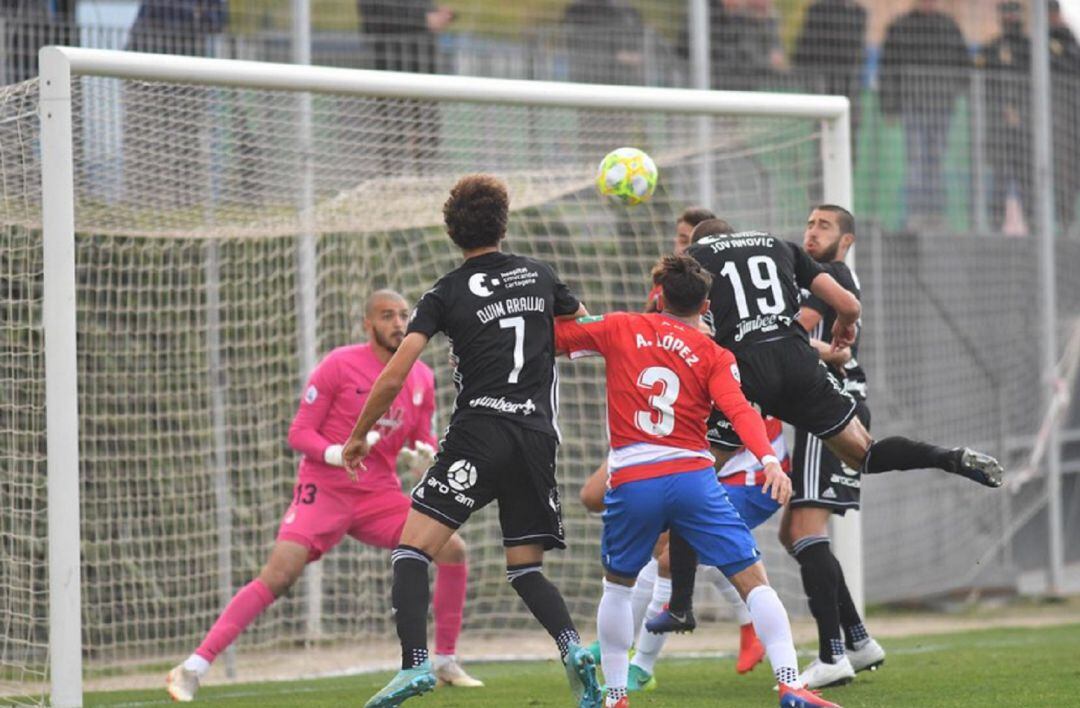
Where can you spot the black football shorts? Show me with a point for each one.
(786, 379)
(484, 459)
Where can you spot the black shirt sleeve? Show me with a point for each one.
(842, 274)
(427, 316)
(806, 268)
(566, 303)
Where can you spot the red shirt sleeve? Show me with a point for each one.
(585, 336)
(727, 395)
(304, 433)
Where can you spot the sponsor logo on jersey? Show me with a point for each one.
(290, 517)
(502, 405)
(761, 323)
(590, 319)
(828, 494)
(519, 277)
(418, 398)
(477, 286)
(392, 420)
(311, 394)
(735, 373)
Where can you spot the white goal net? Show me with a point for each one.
(193, 209)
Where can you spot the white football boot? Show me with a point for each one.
(450, 673)
(182, 684)
(869, 656)
(820, 675)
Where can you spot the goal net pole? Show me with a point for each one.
(61, 380)
(59, 64)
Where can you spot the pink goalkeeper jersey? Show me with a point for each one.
(331, 403)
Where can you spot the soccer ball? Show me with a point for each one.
(627, 176)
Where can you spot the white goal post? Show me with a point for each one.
(58, 65)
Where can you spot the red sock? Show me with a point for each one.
(245, 606)
(449, 604)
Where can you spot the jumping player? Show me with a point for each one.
(326, 505)
(755, 304)
(663, 378)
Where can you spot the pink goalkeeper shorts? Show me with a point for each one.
(321, 514)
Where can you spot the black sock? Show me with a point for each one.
(818, 567)
(850, 621)
(897, 453)
(684, 562)
(410, 600)
(545, 602)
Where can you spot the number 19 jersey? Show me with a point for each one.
(498, 311)
(757, 279)
(663, 378)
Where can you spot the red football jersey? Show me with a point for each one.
(663, 379)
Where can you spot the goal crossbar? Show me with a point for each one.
(57, 67)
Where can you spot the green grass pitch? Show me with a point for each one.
(1004, 667)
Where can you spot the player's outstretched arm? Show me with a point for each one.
(383, 392)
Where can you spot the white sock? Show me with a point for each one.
(643, 590)
(773, 628)
(614, 625)
(649, 644)
(197, 664)
(725, 588)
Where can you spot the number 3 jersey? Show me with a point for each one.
(663, 379)
(498, 311)
(757, 280)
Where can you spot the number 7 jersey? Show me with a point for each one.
(663, 379)
(498, 311)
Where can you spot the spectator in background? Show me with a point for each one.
(401, 35)
(923, 70)
(1065, 107)
(1006, 61)
(605, 40)
(744, 45)
(176, 26)
(829, 51)
(165, 156)
(27, 27)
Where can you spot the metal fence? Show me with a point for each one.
(942, 111)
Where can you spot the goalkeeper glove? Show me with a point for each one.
(332, 455)
(418, 459)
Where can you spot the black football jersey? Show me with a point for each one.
(757, 280)
(498, 311)
(851, 375)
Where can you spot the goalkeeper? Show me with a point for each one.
(326, 505)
